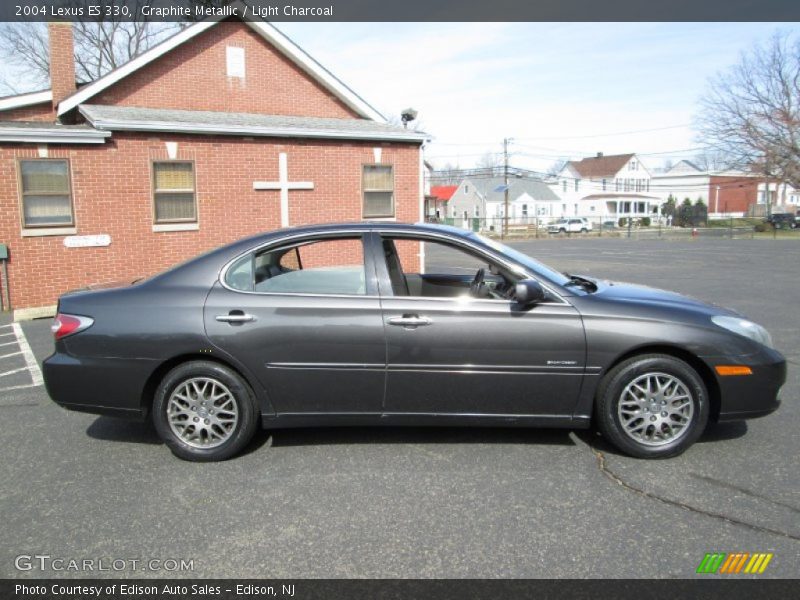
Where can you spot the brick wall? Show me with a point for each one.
(37, 112)
(193, 76)
(736, 194)
(112, 195)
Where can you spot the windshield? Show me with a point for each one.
(525, 260)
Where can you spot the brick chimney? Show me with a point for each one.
(62, 61)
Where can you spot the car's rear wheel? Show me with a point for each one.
(652, 406)
(204, 411)
(562, 230)
(583, 230)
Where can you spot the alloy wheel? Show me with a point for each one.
(202, 412)
(655, 409)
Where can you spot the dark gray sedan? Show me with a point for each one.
(391, 324)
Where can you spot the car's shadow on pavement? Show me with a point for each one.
(417, 435)
(715, 432)
(110, 429)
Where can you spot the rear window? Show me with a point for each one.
(328, 266)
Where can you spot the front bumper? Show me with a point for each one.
(750, 396)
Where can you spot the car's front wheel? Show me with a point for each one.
(652, 406)
(204, 411)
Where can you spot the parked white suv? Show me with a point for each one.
(577, 225)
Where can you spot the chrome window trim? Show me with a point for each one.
(360, 231)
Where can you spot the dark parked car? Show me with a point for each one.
(782, 220)
(390, 324)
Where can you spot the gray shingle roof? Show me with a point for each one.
(128, 118)
(535, 188)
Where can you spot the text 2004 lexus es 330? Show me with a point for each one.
(390, 324)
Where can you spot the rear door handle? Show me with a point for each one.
(238, 317)
(409, 321)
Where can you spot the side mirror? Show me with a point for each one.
(528, 292)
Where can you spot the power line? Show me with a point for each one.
(611, 134)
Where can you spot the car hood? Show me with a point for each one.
(644, 295)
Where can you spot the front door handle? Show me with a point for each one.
(409, 321)
(235, 317)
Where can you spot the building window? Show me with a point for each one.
(524, 210)
(173, 192)
(466, 189)
(577, 184)
(46, 193)
(604, 185)
(633, 165)
(378, 186)
(564, 185)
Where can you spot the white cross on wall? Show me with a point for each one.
(284, 185)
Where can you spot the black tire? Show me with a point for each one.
(239, 436)
(562, 230)
(584, 230)
(609, 396)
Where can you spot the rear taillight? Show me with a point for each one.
(64, 325)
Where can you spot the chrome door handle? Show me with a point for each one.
(409, 321)
(243, 318)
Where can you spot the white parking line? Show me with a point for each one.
(10, 355)
(27, 354)
(12, 371)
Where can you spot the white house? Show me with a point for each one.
(606, 187)
(479, 202)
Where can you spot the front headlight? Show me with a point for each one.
(746, 328)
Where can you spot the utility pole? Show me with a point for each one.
(505, 174)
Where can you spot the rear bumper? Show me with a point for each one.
(751, 396)
(103, 386)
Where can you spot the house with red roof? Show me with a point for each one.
(436, 202)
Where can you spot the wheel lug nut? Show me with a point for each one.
(653, 418)
(663, 402)
(664, 414)
(195, 419)
(211, 412)
(194, 408)
(203, 403)
(206, 421)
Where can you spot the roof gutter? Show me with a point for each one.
(288, 132)
(49, 135)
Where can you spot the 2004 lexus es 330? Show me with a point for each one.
(391, 324)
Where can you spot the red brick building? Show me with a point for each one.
(224, 130)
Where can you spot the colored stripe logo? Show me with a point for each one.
(735, 563)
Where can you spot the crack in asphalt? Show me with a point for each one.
(736, 488)
(605, 470)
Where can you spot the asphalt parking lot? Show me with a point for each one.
(458, 503)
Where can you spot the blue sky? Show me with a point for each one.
(555, 88)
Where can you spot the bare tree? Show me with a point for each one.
(556, 167)
(447, 174)
(751, 113)
(711, 160)
(490, 162)
(99, 47)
